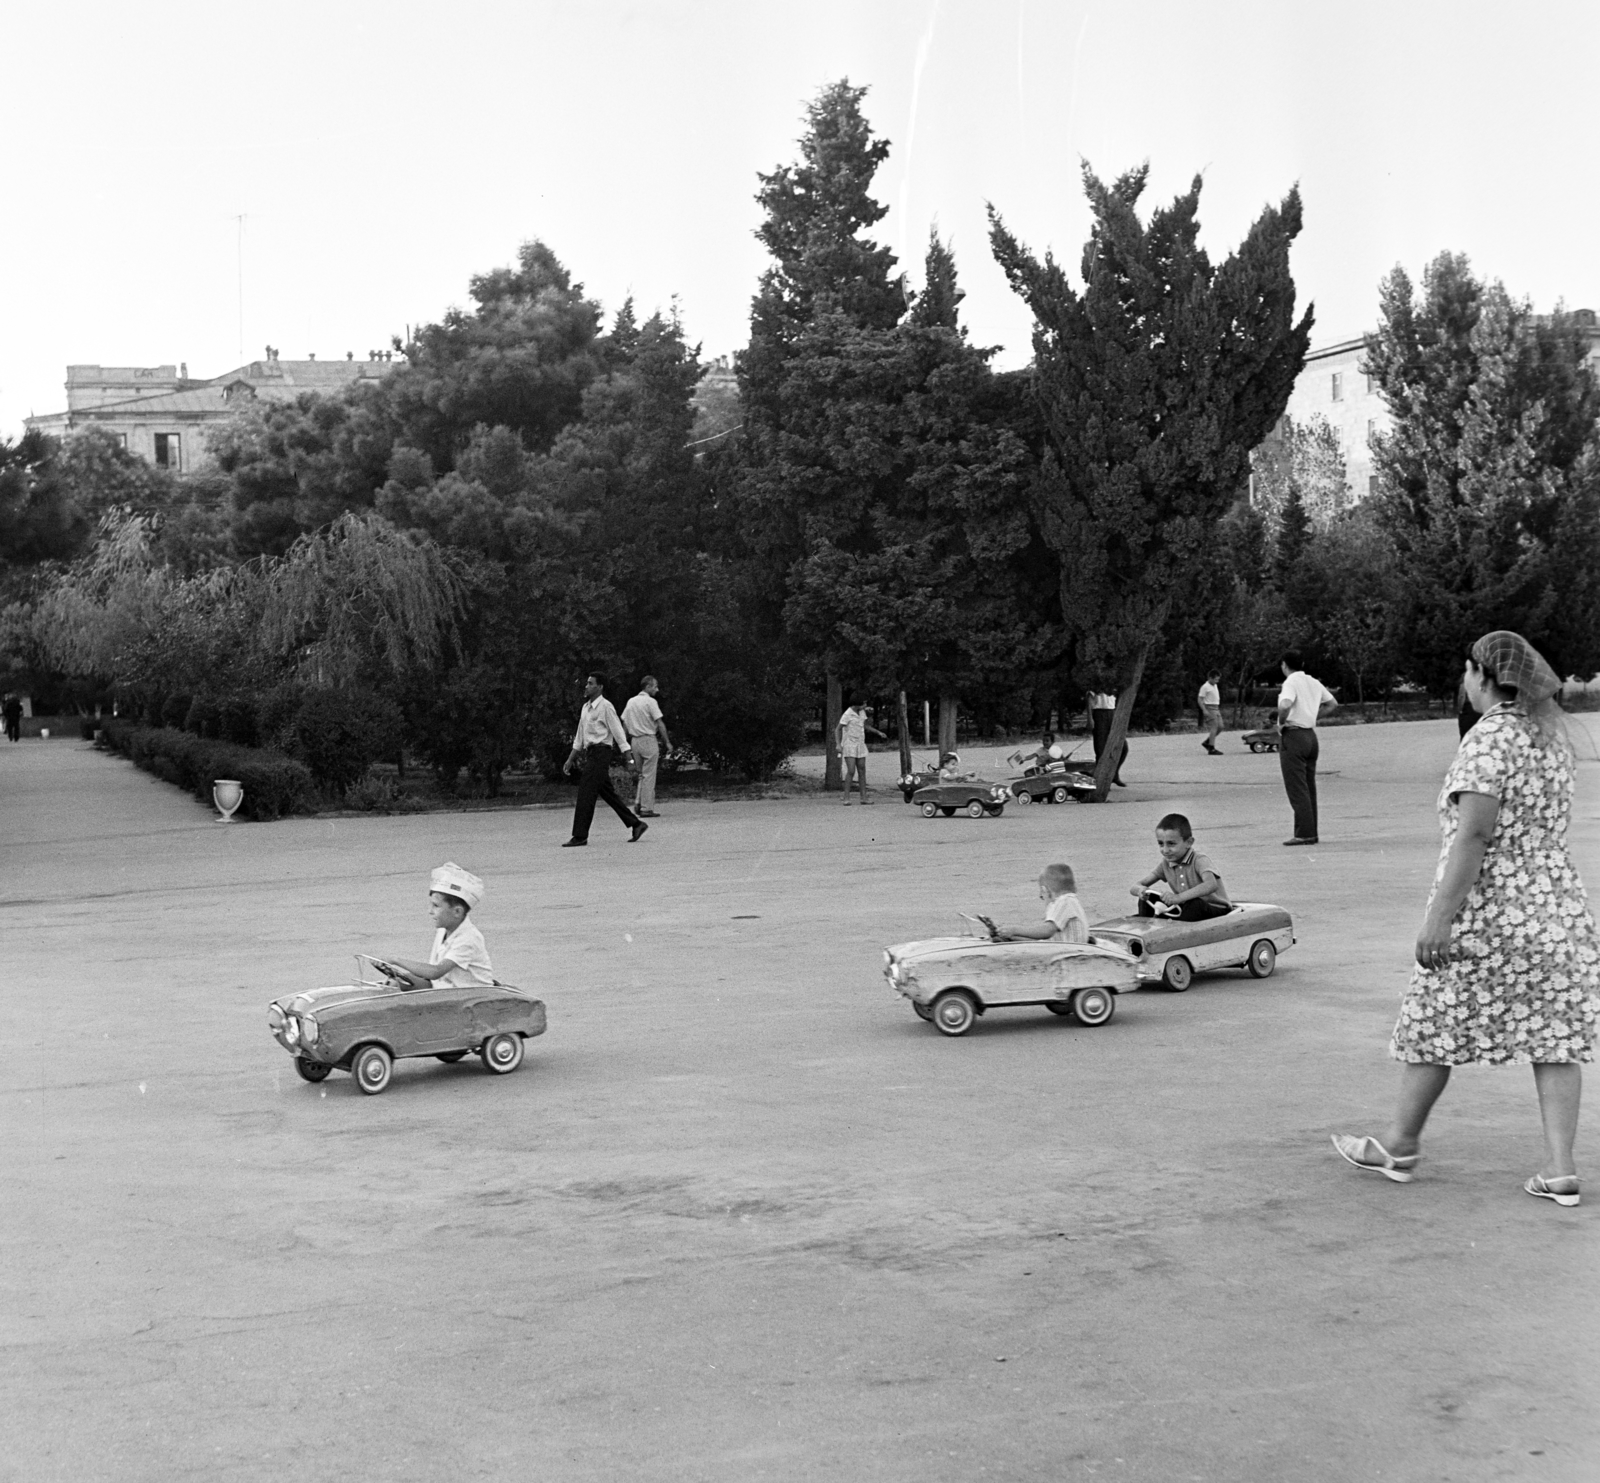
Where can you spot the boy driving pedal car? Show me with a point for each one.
(1184, 884)
(459, 958)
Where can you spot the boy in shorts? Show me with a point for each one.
(1184, 884)
(459, 958)
(1064, 917)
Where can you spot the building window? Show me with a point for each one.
(169, 451)
(1338, 386)
(1372, 483)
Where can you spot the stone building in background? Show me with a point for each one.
(162, 414)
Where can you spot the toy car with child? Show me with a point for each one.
(923, 776)
(366, 1026)
(950, 981)
(1060, 783)
(971, 796)
(1266, 740)
(1170, 951)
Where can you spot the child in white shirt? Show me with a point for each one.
(1064, 916)
(459, 959)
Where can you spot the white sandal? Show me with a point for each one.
(1368, 1153)
(1544, 1189)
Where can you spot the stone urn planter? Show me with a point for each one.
(227, 794)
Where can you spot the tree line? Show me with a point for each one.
(429, 564)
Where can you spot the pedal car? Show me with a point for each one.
(921, 777)
(950, 981)
(365, 1027)
(1059, 783)
(1171, 952)
(1262, 741)
(971, 796)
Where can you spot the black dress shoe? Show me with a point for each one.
(1302, 839)
(573, 844)
(638, 829)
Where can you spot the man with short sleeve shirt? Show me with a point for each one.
(1211, 709)
(647, 735)
(598, 732)
(1300, 702)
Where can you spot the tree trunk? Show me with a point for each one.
(833, 776)
(1111, 758)
(903, 725)
(947, 724)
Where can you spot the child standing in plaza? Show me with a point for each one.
(1184, 884)
(459, 958)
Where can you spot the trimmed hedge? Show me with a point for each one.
(274, 785)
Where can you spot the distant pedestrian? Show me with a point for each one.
(852, 731)
(1300, 702)
(1102, 707)
(598, 741)
(1211, 712)
(647, 738)
(1508, 957)
(13, 715)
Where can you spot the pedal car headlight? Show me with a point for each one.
(291, 1030)
(274, 1018)
(309, 1029)
(888, 960)
(997, 791)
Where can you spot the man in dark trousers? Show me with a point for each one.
(1300, 702)
(13, 715)
(598, 739)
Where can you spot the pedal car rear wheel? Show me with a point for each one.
(1178, 973)
(502, 1053)
(1093, 1006)
(1022, 795)
(1263, 959)
(311, 1070)
(1061, 794)
(372, 1068)
(930, 810)
(976, 810)
(921, 1010)
(954, 1012)
(450, 1057)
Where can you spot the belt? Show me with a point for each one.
(1297, 728)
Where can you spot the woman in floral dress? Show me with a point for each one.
(1508, 959)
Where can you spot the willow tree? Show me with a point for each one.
(1154, 382)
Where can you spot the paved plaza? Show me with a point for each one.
(741, 1215)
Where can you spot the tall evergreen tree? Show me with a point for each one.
(1154, 383)
(1490, 476)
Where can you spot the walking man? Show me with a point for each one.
(1300, 702)
(13, 716)
(599, 732)
(647, 736)
(1211, 710)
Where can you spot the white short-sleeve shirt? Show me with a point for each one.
(1209, 694)
(853, 733)
(465, 949)
(1066, 915)
(640, 715)
(1304, 696)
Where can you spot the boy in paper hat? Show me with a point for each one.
(459, 958)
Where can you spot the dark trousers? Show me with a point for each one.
(1101, 721)
(595, 782)
(1297, 760)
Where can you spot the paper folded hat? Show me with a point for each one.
(451, 880)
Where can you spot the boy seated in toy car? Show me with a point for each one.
(1048, 755)
(1185, 884)
(1064, 916)
(459, 958)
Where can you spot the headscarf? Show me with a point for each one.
(1516, 664)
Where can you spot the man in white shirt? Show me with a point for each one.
(598, 732)
(647, 735)
(1211, 709)
(1300, 702)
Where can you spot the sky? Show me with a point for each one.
(187, 183)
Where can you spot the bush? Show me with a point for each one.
(274, 785)
(236, 721)
(736, 727)
(204, 718)
(175, 710)
(339, 734)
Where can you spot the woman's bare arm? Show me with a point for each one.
(1474, 830)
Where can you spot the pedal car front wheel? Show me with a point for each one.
(975, 810)
(312, 1071)
(922, 1011)
(372, 1068)
(502, 1053)
(954, 1012)
(1093, 1006)
(1060, 795)
(1263, 959)
(930, 810)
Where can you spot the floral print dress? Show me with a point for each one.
(1523, 981)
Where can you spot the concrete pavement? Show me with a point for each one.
(740, 1215)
